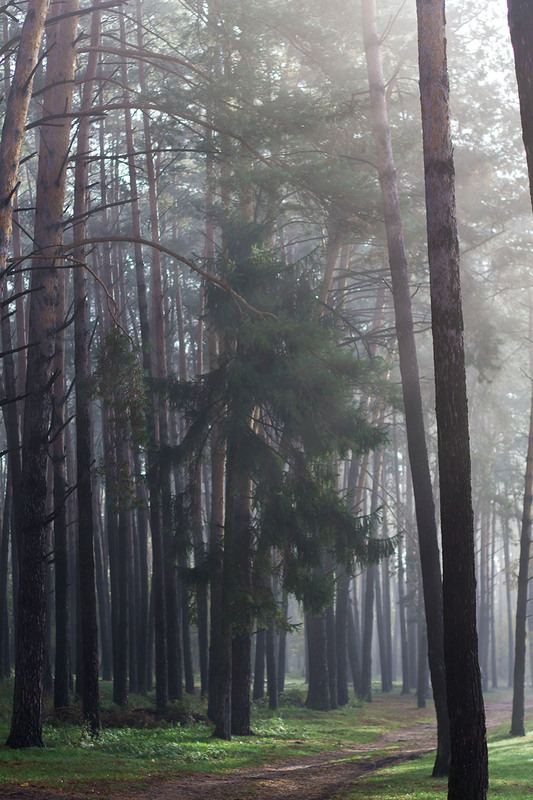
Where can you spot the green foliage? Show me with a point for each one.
(288, 399)
(119, 382)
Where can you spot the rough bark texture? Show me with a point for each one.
(341, 636)
(282, 646)
(468, 778)
(365, 689)
(521, 28)
(519, 673)
(26, 728)
(240, 576)
(272, 671)
(416, 440)
(259, 664)
(15, 117)
(61, 577)
(318, 696)
(88, 611)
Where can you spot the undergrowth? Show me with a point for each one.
(136, 746)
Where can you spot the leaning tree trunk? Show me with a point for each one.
(26, 726)
(468, 778)
(16, 112)
(414, 418)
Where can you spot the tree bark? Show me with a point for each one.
(468, 777)
(259, 664)
(271, 665)
(341, 635)
(5, 661)
(521, 29)
(282, 646)
(61, 576)
(318, 696)
(88, 615)
(519, 675)
(416, 440)
(157, 524)
(16, 112)
(509, 603)
(26, 726)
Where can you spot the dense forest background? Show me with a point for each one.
(216, 372)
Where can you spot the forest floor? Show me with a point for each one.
(324, 776)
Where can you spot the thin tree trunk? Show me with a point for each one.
(102, 590)
(272, 671)
(517, 720)
(88, 616)
(508, 596)
(282, 648)
(354, 644)
(331, 650)
(5, 661)
(61, 587)
(259, 664)
(483, 604)
(422, 678)
(365, 690)
(216, 704)
(492, 602)
(142, 563)
(240, 575)
(341, 635)
(157, 506)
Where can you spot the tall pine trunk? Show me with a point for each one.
(84, 458)
(418, 457)
(468, 777)
(521, 28)
(26, 726)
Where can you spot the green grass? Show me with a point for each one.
(136, 755)
(510, 767)
(123, 756)
(510, 773)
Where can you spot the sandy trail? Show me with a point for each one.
(325, 776)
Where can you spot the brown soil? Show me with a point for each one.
(322, 777)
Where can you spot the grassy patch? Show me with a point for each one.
(126, 756)
(510, 769)
(167, 748)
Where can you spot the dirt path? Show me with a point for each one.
(322, 777)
